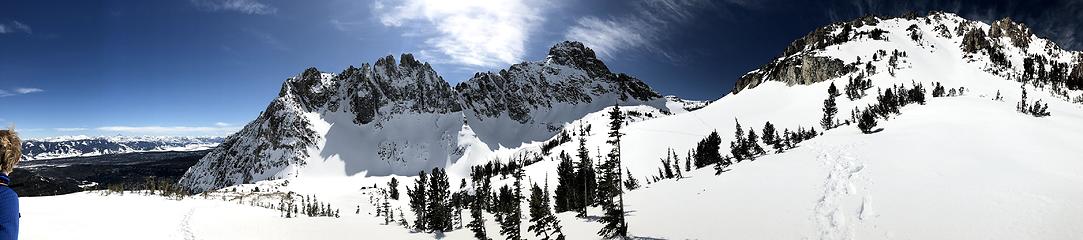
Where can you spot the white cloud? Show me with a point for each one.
(221, 124)
(15, 26)
(169, 130)
(70, 129)
(642, 28)
(19, 91)
(468, 32)
(27, 90)
(242, 6)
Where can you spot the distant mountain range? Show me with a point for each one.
(81, 146)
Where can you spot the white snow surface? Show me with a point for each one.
(965, 167)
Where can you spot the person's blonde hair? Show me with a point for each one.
(11, 148)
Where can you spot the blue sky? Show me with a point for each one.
(206, 67)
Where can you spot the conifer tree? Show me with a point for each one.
(439, 209)
(477, 224)
(828, 121)
(754, 146)
(770, 135)
(543, 223)
(402, 220)
(688, 162)
(386, 206)
(393, 187)
(510, 224)
(631, 183)
(739, 147)
(568, 190)
(587, 176)
(676, 164)
(418, 201)
(832, 91)
(668, 172)
(867, 122)
(609, 185)
(706, 151)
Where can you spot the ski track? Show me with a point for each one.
(186, 226)
(833, 219)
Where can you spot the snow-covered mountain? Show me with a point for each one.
(401, 117)
(80, 146)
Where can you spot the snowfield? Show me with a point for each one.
(956, 168)
(961, 167)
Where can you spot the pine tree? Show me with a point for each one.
(418, 201)
(867, 122)
(477, 224)
(668, 172)
(688, 162)
(770, 135)
(402, 220)
(510, 224)
(543, 223)
(739, 148)
(832, 91)
(706, 152)
(439, 208)
(632, 183)
(1022, 106)
(609, 185)
(676, 164)
(386, 206)
(568, 189)
(828, 121)
(587, 177)
(393, 186)
(754, 145)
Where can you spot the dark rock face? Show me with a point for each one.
(576, 54)
(1017, 33)
(803, 70)
(798, 63)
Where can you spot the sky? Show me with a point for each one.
(207, 67)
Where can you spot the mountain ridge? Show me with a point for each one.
(387, 103)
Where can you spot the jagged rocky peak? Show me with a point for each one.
(802, 63)
(526, 102)
(571, 74)
(573, 53)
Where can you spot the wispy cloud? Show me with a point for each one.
(15, 27)
(467, 32)
(644, 27)
(242, 6)
(70, 129)
(268, 39)
(19, 91)
(169, 130)
(221, 124)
